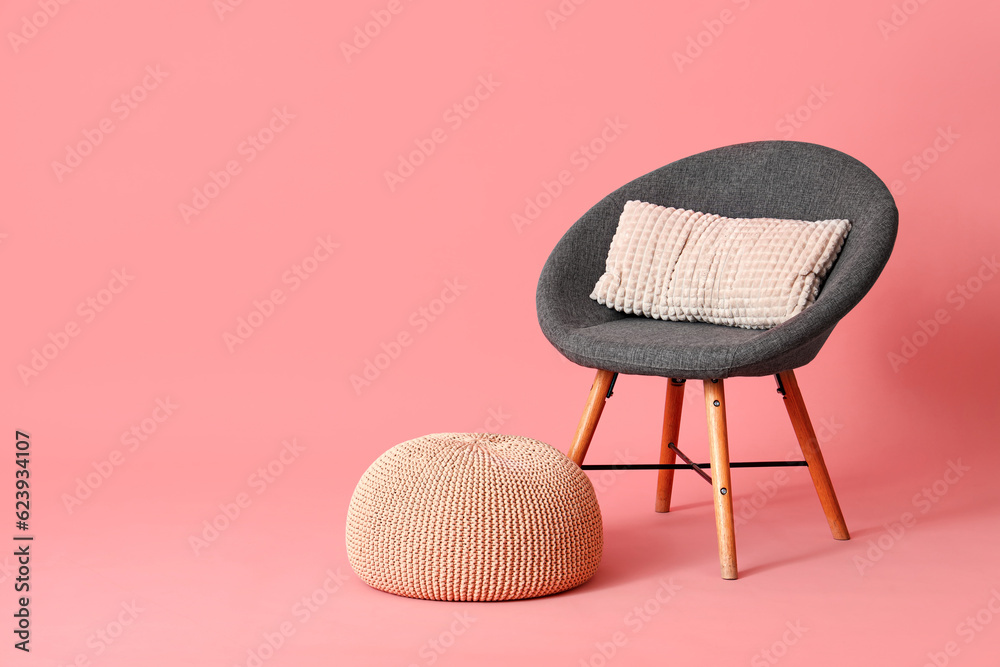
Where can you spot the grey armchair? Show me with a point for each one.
(780, 179)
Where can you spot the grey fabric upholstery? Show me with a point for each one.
(780, 179)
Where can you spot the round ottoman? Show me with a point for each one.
(474, 516)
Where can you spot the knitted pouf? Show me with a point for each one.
(474, 516)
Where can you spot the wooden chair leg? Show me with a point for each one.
(591, 415)
(718, 439)
(671, 430)
(814, 457)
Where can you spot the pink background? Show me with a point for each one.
(908, 88)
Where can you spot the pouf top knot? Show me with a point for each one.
(474, 516)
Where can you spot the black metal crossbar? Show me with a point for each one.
(691, 465)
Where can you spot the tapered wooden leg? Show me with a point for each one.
(718, 440)
(671, 429)
(814, 457)
(591, 415)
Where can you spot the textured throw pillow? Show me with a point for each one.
(754, 273)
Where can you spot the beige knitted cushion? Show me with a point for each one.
(474, 516)
(677, 264)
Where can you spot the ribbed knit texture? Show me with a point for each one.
(474, 516)
(678, 264)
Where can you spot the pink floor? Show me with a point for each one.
(219, 219)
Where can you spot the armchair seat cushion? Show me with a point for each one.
(691, 350)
